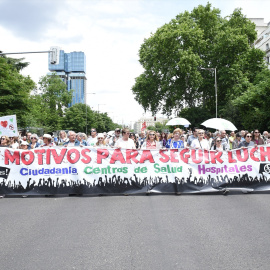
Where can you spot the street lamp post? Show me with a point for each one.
(215, 69)
(86, 111)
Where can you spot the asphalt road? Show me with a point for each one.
(136, 232)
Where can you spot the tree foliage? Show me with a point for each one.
(14, 91)
(49, 102)
(75, 119)
(253, 104)
(173, 58)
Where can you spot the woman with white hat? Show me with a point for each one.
(47, 139)
(24, 145)
(100, 141)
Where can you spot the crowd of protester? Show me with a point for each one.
(195, 138)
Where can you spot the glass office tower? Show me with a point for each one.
(72, 69)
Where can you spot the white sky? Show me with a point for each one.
(109, 32)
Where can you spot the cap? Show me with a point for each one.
(24, 143)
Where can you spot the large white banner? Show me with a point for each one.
(89, 167)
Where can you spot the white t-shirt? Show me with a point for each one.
(129, 144)
(203, 144)
(92, 141)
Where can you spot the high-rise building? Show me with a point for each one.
(72, 69)
(263, 38)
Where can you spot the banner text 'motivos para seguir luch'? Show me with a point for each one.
(129, 156)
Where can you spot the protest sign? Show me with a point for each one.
(8, 126)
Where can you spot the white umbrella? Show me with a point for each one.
(178, 121)
(219, 123)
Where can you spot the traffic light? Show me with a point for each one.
(155, 118)
(54, 55)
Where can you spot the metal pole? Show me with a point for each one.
(216, 89)
(24, 52)
(86, 110)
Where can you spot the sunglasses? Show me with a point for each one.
(256, 132)
(248, 136)
(100, 138)
(152, 134)
(218, 140)
(32, 138)
(200, 133)
(93, 130)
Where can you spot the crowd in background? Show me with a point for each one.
(195, 138)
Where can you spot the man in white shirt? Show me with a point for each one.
(125, 141)
(92, 140)
(200, 142)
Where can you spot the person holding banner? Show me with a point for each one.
(80, 138)
(200, 142)
(163, 139)
(151, 141)
(72, 141)
(34, 142)
(92, 140)
(247, 142)
(101, 143)
(133, 137)
(24, 145)
(125, 141)
(237, 141)
(14, 142)
(47, 140)
(141, 139)
(175, 142)
(5, 141)
(256, 138)
(218, 146)
(62, 137)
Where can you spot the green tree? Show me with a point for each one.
(14, 92)
(161, 126)
(75, 119)
(173, 58)
(17, 63)
(253, 104)
(151, 128)
(50, 101)
(107, 123)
